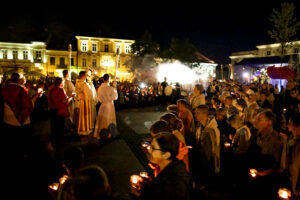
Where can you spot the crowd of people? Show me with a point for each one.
(225, 131)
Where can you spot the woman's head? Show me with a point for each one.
(164, 147)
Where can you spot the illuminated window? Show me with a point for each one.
(15, 55)
(106, 48)
(118, 47)
(38, 55)
(83, 46)
(94, 62)
(4, 53)
(83, 62)
(127, 48)
(52, 60)
(94, 48)
(62, 61)
(296, 50)
(268, 53)
(25, 55)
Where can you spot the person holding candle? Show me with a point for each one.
(269, 145)
(205, 154)
(294, 154)
(240, 145)
(173, 182)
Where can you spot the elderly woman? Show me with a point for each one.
(242, 136)
(173, 182)
(198, 97)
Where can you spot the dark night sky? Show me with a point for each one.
(217, 28)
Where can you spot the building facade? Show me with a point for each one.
(97, 54)
(248, 62)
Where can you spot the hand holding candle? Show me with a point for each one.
(253, 173)
(54, 186)
(284, 193)
(63, 179)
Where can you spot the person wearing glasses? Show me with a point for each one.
(173, 181)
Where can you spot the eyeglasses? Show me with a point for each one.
(151, 148)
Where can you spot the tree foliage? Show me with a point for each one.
(285, 26)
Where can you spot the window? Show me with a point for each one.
(94, 62)
(106, 48)
(83, 46)
(94, 48)
(62, 61)
(83, 62)
(15, 55)
(118, 47)
(72, 61)
(127, 48)
(52, 60)
(296, 50)
(4, 52)
(25, 55)
(268, 53)
(38, 55)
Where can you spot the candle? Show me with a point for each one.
(134, 179)
(227, 144)
(253, 173)
(144, 174)
(63, 179)
(54, 186)
(284, 193)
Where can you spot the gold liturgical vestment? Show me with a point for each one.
(84, 107)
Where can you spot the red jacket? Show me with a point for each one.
(18, 100)
(57, 100)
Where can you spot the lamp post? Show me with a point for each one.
(117, 63)
(70, 50)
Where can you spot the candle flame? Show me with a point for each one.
(284, 193)
(253, 173)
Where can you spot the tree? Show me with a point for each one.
(285, 27)
(145, 45)
(144, 51)
(182, 50)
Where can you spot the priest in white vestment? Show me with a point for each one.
(106, 114)
(70, 90)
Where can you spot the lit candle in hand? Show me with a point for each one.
(284, 193)
(227, 145)
(54, 186)
(253, 173)
(63, 179)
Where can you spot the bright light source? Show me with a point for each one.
(176, 72)
(246, 75)
(142, 85)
